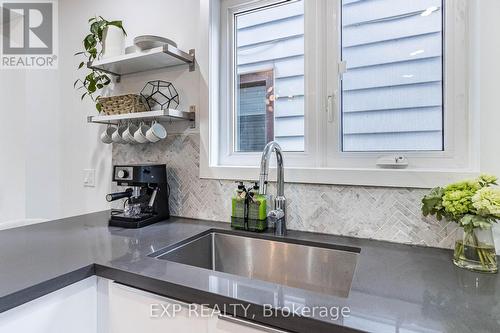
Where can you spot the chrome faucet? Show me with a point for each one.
(278, 215)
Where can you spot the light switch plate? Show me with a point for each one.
(89, 177)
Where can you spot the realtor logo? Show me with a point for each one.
(28, 35)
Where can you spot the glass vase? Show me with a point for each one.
(475, 250)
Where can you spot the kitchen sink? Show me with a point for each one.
(316, 267)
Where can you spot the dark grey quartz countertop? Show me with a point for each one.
(396, 288)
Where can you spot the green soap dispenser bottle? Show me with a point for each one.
(239, 207)
(257, 210)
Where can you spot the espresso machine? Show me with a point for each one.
(146, 196)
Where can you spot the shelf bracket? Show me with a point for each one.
(192, 65)
(116, 76)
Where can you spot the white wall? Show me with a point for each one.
(12, 146)
(43, 145)
(485, 84)
(12, 151)
(29, 147)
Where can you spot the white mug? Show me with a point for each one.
(107, 135)
(128, 134)
(156, 132)
(117, 135)
(140, 134)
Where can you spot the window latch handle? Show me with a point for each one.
(330, 108)
(342, 68)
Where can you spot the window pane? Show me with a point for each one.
(392, 92)
(269, 59)
(255, 123)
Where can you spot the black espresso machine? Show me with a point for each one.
(146, 196)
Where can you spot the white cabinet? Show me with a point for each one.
(128, 310)
(98, 305)
(124, 309)
(70, 309)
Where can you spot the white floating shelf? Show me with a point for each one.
(156, 58)
(160, 115)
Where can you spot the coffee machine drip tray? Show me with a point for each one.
(136, 221)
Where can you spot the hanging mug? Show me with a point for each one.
(128, 134)
(140, 134)
(156, 132)
(107, 135)
(117, 134)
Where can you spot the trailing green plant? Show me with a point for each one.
(94, 81)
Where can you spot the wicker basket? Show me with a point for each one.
(130, 103)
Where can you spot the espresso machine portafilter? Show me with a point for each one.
(146, 196)
(119, 195)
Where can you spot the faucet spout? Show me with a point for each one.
(278, 215)
(271, 147)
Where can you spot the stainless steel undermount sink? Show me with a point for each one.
(311, 266)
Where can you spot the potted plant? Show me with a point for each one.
(94, 44)
(474, 205)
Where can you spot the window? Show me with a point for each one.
(392, 90)
(255, 111)
(269, 61)
(341, 85)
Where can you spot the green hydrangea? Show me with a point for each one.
(487, 179)
(486, 201)
(470, 203)
(457, 198)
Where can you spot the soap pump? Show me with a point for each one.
(239, 206)
(257, 207)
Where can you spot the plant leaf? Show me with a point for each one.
(467, 219)
(89, 42)
(432, 203)
(88, 38)
(92, 87)
(94, 27)
(118, 24)
(83, 96)
(439, 216)
(81, 65)
(107, 80)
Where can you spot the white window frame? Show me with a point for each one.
(455, 155)
(323, 163)
(228, 155)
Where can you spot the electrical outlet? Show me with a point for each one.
(89, 177)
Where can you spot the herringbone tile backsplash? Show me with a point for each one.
(391, 214)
